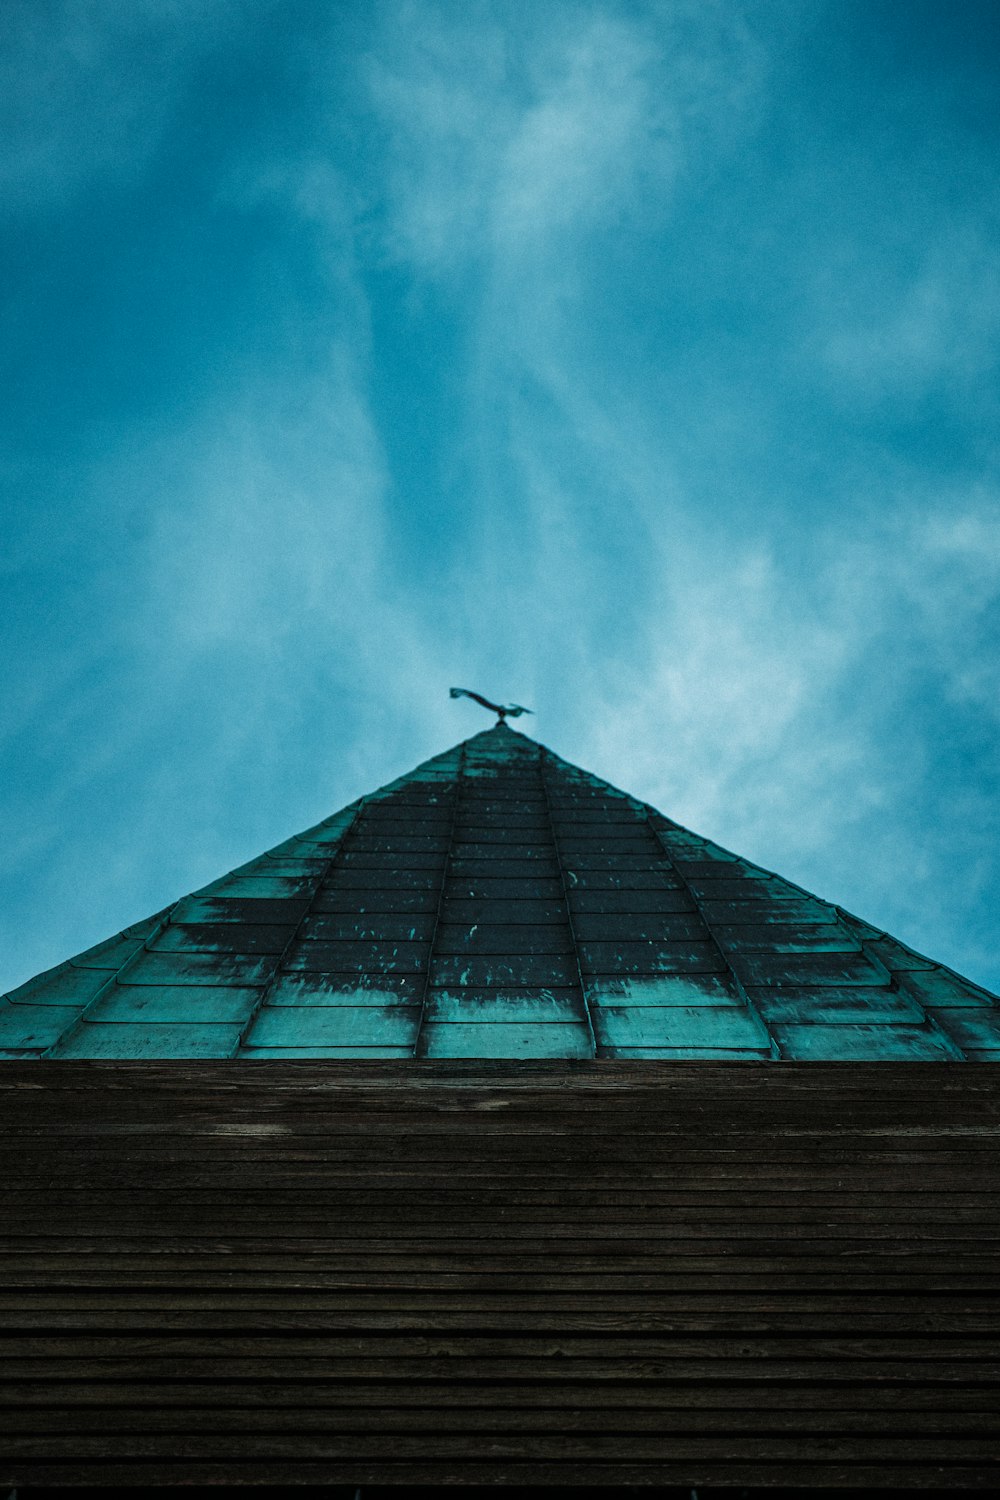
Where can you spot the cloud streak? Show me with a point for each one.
(532, 363)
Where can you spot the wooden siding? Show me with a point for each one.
(702, 1274)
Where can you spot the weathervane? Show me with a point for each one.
(506, 710)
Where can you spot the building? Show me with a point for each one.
(581, 1152)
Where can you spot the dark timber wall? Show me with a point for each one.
(594, 1273)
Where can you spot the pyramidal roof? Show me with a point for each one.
(498, 902)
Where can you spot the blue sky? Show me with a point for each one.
(634, 361)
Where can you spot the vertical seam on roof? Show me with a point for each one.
(110, 982)
(321, 879)
(542, 753)
(740, 987)
(445, 872)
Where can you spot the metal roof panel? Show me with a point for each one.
(498, 902)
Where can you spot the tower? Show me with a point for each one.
(499, 1131)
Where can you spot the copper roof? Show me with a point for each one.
(499, 902)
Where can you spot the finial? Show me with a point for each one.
(505, 710)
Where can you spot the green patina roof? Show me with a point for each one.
(498, 902)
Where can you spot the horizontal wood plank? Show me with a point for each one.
(486, 1273)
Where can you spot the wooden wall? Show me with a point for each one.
(572, 1273)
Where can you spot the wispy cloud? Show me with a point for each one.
(546, 373)
(503, 141)
(937, 324)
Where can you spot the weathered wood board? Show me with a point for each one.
(703, 1274)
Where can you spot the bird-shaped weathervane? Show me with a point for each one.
(504, 710)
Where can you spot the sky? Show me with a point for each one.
(634, 360)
